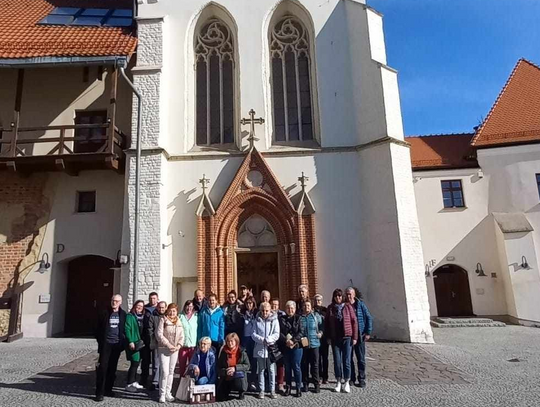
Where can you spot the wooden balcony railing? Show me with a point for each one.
(61, 142)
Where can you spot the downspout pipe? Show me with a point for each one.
(137, 185)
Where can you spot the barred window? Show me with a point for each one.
(291, 81)
(214, 64)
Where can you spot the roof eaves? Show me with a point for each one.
(55, 61)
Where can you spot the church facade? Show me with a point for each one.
(273, 155)
(314, 187)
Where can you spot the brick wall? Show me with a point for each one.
(23, 206)
(24, 210)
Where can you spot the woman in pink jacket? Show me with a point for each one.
(170, 335)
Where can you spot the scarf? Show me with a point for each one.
(232, 355)
(173, 320)
(212, 310)
(188, 316)
(339, 308)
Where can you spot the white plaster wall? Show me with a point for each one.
(98, 233)
(348, 79)
(51, 96)
(513, 188)
(461, 236)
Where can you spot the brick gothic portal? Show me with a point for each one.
(256, 215)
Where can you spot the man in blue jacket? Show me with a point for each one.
(365, 327)
(211, 322)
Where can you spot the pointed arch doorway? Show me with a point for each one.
(257, 257)
(256, 235)
(452, 291)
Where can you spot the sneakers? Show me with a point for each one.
(169, 398)
(132, 388)
(337, 389)
(261, 395)
(347, 387)
(362, 383)
(137, 385)
(273, 395)
(162, 399)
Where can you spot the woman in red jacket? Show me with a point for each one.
(341, 328)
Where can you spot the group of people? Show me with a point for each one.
(240, 346)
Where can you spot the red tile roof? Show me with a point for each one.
(515, 115)
(22, 37)
(442, 152)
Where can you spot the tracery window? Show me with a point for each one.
(256, 232)
(291, 81)
(214, 64)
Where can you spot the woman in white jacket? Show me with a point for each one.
(265, 333)
(170, 335)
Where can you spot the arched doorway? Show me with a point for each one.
(257, 264)
(89, 289)
(452, 291)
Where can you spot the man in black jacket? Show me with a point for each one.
(149, 337)
(199, 300)
(111, 338)
(146, 353)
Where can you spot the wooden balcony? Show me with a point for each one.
(59, 148)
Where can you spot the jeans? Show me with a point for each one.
(342, 358)
(271, 378)
(155, 367)
(310, 363)
(106, 367)
(167, 362)
(360, 351)
(132, 372)
(293, 360)
(201, 381)
(323, 358)
(249, 345)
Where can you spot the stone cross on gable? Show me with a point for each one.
(252, 121)
(204, 182)
(303, 179)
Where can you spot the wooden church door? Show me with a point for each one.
(258, 271)
(452, 291)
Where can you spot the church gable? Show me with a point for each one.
(255, 176)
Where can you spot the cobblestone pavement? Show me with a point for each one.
(467, 367)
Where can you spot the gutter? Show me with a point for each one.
(44, 62)
(136, 237)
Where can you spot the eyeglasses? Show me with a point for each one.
(338, 295)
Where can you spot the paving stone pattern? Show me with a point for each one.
(467, 367)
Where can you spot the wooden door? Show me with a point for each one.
(89, 289)
(452, 292)
(258, 271)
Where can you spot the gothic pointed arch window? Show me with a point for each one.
(214, 65)
(291, 81)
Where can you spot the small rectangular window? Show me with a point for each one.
(452, 192)
(86, 201)
(538, 183)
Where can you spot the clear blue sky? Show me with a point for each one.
(454, 56)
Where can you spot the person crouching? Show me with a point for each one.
(232, 365)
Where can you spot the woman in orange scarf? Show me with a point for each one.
(233, 365)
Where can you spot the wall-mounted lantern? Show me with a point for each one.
(121, 259)
(479, 270)
(524, 263)
(44, 264)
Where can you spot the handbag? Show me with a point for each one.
(139, 345)
(185, 389)
(239, 375)
(274, 354)
(304, 342)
